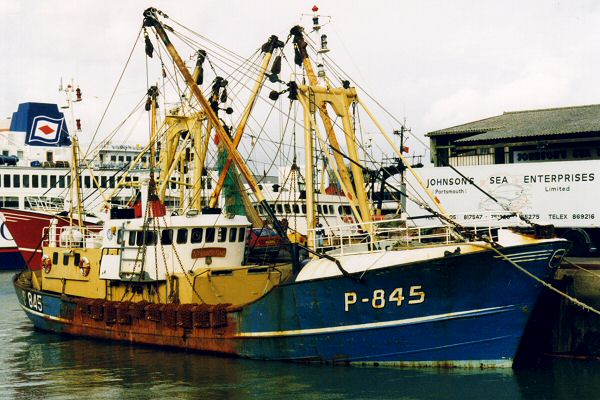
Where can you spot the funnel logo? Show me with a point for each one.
(45, 130)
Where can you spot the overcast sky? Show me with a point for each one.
(437, 63)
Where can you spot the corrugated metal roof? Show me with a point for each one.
(530, 123)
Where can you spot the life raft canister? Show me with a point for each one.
(46, 264)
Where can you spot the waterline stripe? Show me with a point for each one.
(384, 324)
(45, 316)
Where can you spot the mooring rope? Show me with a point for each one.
(581, 268)
(546, 284)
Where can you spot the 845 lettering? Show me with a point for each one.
(379, 298)
(33, 301)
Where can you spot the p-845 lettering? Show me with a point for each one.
(380, 299)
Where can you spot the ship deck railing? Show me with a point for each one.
(71, 237)
(392, 234)
(44, 204)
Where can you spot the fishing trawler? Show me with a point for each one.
(390, 295)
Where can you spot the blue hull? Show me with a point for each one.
(465, 310)
(475, 310)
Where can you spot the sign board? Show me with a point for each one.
(563, 193)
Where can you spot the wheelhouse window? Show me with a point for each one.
(196, 236)
(44, 181)
(150, 237)
(232, 234)
(210, 235)
(222, 235)
(16, 181)
(182, 235)
(131, 238)
(241, 234)
(25, 181)
(166, 237)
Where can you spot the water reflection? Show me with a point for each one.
(43, 365)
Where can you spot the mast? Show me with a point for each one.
(354, 197)
(76, 184)
(151, 20)
(270, 46)
(340, 99)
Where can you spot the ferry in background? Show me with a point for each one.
(35, 166)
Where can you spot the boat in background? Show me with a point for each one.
(10, 257)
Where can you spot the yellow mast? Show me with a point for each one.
(151, 19)
(76, 184)
(308, 178)
(333, 142)
(272, 44)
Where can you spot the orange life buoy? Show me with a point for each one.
(84, 267)
(46, 264)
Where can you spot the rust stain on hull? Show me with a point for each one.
(187, 326)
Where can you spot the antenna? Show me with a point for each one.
(322, 39)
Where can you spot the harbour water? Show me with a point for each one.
(39, 365)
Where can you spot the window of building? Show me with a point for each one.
(113, 158)
(121, 159)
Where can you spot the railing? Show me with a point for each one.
(389, 235)
(46, 204)
(71, 236)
